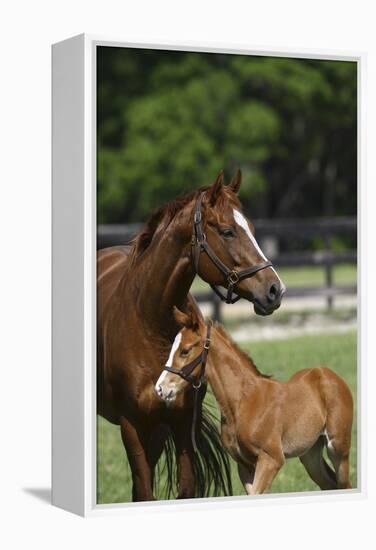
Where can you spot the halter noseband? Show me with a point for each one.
(186, 371)
(200, 244)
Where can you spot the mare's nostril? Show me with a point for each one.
(274, 292)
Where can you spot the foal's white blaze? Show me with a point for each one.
(175, 346)
(170, 359)
(240, 220)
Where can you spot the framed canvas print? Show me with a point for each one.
(206, 274)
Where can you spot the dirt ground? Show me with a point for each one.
(296, 317)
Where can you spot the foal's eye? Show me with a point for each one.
(184, 352)
(228, 233)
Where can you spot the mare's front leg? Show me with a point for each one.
(267, 467)
(181, 431)
(155, 447)
(135, 438)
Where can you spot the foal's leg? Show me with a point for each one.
(247, 475)
(340, 409)
(338, 429)
(134, 440)
(342, 467)
(338, 452)
(267, 467)
(317, 467)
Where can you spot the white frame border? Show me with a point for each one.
(83, 500)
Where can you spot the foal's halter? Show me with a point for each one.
(186, 374)
(200, 244)
(186, 371)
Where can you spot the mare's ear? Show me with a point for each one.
(236, 181)
(214, 190)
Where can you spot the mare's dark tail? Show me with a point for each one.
(211, 465)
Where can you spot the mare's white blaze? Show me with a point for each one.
(240, 220)
(170, 359)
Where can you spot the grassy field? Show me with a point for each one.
(302, 276)
(280, 358)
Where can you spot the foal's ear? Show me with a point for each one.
(189, 319)
(194, 320)
(236, 181)
(181, 318)
(215, 189)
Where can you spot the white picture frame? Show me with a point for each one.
(74, 278)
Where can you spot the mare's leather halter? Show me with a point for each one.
(186, 371)
(200, 244)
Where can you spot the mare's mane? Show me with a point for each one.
(164, 215)
(241, 352)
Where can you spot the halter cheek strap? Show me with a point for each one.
(200, 244)
(186, 374)
(187, 370)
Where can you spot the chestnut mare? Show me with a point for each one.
(202, 232)
(264, 421)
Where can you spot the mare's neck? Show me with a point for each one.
(230, 373)
(164, 275)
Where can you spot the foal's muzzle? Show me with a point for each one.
(166, 394)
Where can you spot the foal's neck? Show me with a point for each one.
(230, 372)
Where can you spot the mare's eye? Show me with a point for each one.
(228, 233)
(184, 352)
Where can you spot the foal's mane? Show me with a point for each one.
(241, 352)
(163, 216)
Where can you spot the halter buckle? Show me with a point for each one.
(197, 386)
(233, 277)
(197, 217)
(207, 343)
(200, 241)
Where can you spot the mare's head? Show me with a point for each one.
(188, 345)
(230, 235)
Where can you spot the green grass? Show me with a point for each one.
(280, 358)
(313, 276)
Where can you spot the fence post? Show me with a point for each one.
(216, 305)
(328, 271)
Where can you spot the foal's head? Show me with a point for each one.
(188, 345)
(231, 237)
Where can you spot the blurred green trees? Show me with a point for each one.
(169, 121)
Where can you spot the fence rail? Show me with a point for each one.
(115, 234)
(327, 258)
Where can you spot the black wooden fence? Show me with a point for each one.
(280, 232)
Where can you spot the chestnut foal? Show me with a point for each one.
(264, 421)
